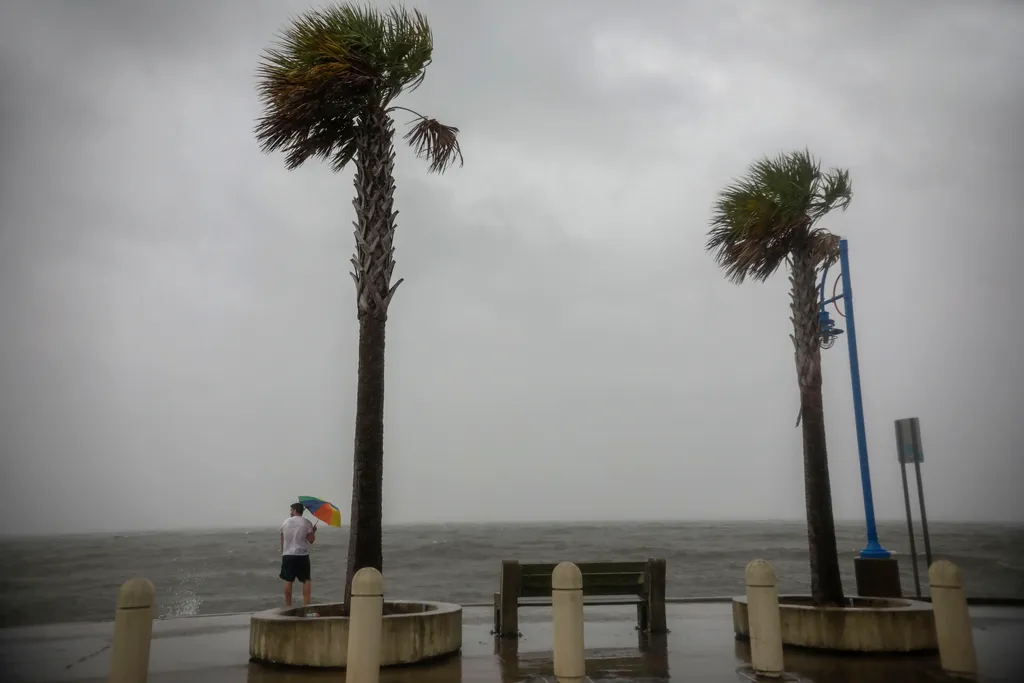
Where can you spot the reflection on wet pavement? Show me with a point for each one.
(448, 670)
(649, 661)
(700, 648)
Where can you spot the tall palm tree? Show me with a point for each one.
(328, 90)
(760, 222)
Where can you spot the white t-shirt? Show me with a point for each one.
(295, 530)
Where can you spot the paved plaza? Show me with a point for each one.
(699, 648)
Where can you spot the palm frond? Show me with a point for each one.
(435, 142)
(790, 179)
(760, 219)
(748, 258)
(742, 237)
(823, 247)
(328, 67)
(834, 192)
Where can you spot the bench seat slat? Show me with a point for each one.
(593, 584)
(599, 578)
(545, 568)
(606, 601)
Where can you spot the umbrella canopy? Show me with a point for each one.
(322, 510)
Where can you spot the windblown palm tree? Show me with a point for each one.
(759, 223)
(328, 90)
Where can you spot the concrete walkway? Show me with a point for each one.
(700, 648)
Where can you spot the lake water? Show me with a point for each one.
(76, 578)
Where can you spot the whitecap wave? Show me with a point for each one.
(184, 600)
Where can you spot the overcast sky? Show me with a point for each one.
(177, 323)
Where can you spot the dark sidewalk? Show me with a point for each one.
(700, 647)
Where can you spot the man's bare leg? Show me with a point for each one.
(288, 593)
(307, 592)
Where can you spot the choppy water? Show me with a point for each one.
(75, 578)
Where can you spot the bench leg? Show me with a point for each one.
(497, 615)
(509, 599)
(508, 618)
(642, 620)
(658, 618)
(656, 596)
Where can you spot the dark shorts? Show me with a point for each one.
(295, 568)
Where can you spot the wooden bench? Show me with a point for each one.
(604, 583)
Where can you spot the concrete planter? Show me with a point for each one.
(411, 632)
(867, 625)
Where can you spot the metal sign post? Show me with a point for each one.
(909, 450)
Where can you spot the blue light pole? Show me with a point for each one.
(873, 549)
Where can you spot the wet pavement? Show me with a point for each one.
(700, 647)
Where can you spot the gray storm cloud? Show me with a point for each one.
(177, 325)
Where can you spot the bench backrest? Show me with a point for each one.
(599, 578)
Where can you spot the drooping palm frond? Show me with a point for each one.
(329, 66)
(759, 219)
(434, 142)
(823, 247)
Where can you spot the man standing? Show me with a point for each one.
(297, 534)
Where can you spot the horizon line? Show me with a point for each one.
(521, 523)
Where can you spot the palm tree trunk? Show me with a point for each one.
(826, 582)
(372, 268)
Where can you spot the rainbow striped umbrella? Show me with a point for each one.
(326, 512)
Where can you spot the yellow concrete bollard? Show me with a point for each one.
(567, 617)
(952, 621)
(364, 627)
(133, 630)
(763, 617)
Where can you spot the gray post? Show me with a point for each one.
(910, 530)
(919, 451)
(908, 446)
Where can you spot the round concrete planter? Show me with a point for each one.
(411, 632)
(867, 625)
